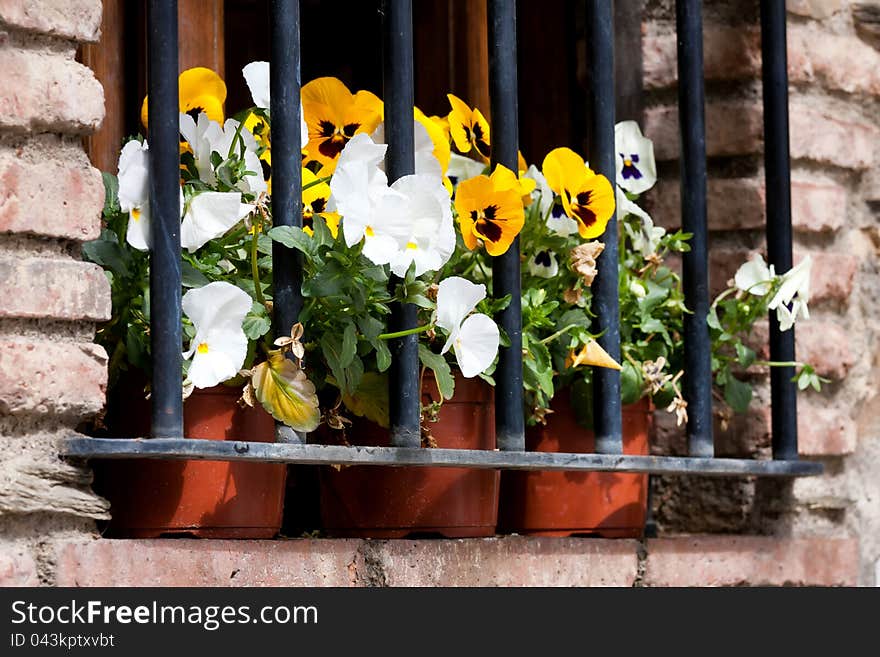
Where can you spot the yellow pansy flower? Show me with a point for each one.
(314, 202)
(469, 128)
(334, 115)
(490, 209)
(200, 90)
(587, 197)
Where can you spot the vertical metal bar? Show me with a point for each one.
(165, 286)
(284, 85)
(697, 382)
(777, 167)
(398, 89)
(504, 111)
(606, 383)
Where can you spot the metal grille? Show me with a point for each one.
(165, 285)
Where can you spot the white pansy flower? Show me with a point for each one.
(636, 168)
(647, 237)
(134, 192)
(754, 276)
(544, 264)
(475, 339)
(209, 215)
(219, 347)
(560, 223)
(256, 76)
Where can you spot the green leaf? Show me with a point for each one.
(738, 394)
(111, 194)
(107, 252)
(712, 319)
(371, 399)
(257, 322)
(744, 355)
(192, 277)
(329, 281)
(442, 373)
(383, 355)
(284, 391)
(631, 383)
(293, 237)
(349, 345)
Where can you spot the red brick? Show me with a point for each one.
(734, 203)
(58, 289)
(74, 19)
(17, 567)
(833, 275)
(751, 560)
(54, 196)
(817, 205)
(842, 63)
(187, 562)
(823, 429)
(825, 346)
(732, 128)
(47, 92)
(52, 377)
(823, 135)
(728, 54)
(510, 561)
(815, 8)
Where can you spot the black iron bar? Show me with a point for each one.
(398, 90)
(697, 380)
(509, 417)
(606, 383)
(227, 450)
(164, 139)
(284, 85)
(777, 166)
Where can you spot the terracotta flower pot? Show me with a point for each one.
(210, 499)
(545, 503)
(388, 502)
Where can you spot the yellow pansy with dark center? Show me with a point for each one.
(200, 90)
(490, 210)
(334, 115)
(586, 196)
(468, 128)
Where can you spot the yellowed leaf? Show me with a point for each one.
(284, 391)
(371, 399)
(593, 354)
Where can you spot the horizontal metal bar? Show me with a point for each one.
(226, 450)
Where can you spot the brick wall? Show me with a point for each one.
(52, 378)
(834, 71)
(51, 375)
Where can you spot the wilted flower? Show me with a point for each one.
(593, 354)
(583, 260)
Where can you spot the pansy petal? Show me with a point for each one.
(754, 276)
(211, 215)
(476, 345)
(138, 232)
(256, 76)
(134, 180)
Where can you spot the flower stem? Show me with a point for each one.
(404, 333)
(560, 332)
(255, 270)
